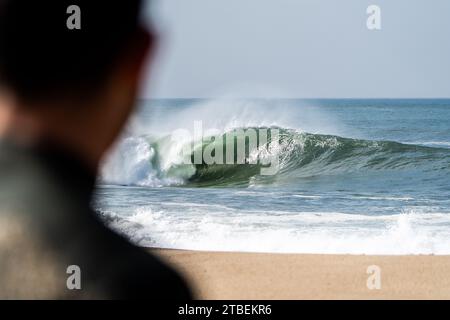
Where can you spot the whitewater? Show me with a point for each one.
(354, 176)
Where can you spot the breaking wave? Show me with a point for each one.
(305, 232)
(148, 161)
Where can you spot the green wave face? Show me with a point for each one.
(299, 155)
(304, 155)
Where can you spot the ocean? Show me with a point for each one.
(353, 176)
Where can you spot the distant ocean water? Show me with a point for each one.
(356, 176)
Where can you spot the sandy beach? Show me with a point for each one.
(219, 275)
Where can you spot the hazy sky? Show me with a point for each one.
(300, 48)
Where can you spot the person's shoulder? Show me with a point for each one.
(150, 277)
(132, 272)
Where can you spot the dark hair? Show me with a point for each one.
(40, 57)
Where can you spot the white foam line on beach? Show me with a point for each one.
(337, 233)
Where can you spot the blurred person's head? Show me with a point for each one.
(73, 87)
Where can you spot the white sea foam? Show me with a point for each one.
(284, 232)
(130, 163)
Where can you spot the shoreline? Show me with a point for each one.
(244, 276)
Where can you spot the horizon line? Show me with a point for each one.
(295, 98)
